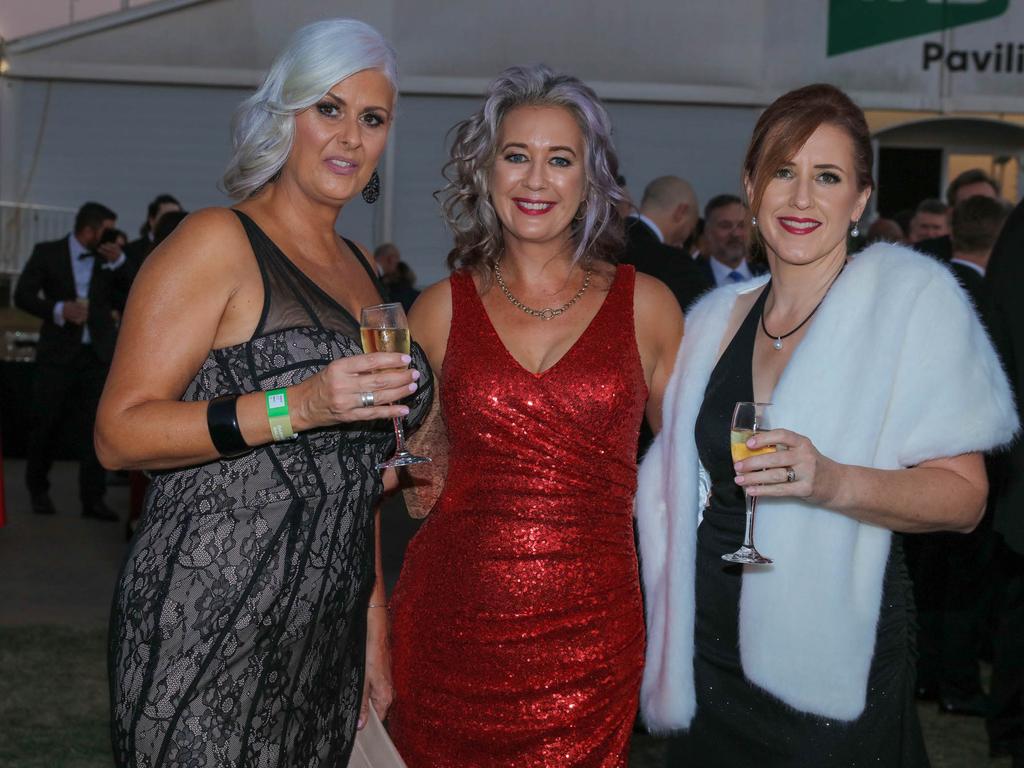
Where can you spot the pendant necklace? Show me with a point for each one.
(777, 340)
(548, 312)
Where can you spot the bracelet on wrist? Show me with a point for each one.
(385, 606)
(222, 422)
(278, 415)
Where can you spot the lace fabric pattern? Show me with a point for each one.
(238, 626)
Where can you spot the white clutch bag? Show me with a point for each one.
(373, 747)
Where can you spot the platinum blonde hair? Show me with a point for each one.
(467, 207)
(318, 56)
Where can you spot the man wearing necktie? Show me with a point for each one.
(727, 241)
(77, 286)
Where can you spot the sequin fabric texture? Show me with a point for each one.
(239, 621)
(518, 634)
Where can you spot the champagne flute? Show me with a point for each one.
(747, 420)
(384, 328)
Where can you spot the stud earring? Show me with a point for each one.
(753, 221)
(372, 189)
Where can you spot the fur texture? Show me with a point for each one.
(894, 370)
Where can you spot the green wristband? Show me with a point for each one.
(277, 413)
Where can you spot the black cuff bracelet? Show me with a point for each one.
(222, 421)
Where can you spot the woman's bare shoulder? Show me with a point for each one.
(207, 232)
(431, 320)
(434, 303)
(652, 293)
(210, 242)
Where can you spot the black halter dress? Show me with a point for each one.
(738, 724)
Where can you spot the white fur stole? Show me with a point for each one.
(894, 370)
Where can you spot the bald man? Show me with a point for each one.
(667, 217)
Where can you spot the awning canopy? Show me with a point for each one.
(701, 51)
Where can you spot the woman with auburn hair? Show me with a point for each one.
(249, 623)
(518, 625)
(884, 391)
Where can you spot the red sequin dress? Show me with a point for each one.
(518, 634)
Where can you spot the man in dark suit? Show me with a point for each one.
(668, 214)
(727, 242)
(138, 250)
(975, 226)
(1005, 315)
(667, 217)
(77, 285)
(972, 183)
(952, 572)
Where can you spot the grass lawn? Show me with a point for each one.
(53, 698)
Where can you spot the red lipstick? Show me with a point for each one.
(533, 207)
(798, 226)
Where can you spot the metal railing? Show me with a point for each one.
(22, 225)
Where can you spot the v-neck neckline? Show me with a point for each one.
(310, 281)
(572, 347)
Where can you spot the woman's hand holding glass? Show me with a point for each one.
(384, 327)
(795, 469)
(344, 390)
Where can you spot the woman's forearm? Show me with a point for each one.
(168, 434)
(377, 619)
(946, 494)
(164, 434)
(915, 500)
(379, 595)
(133, 432)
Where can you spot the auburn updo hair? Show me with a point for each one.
(790, 120)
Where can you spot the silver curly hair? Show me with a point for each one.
(467, 208)
(318, 56)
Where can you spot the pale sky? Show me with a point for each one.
(25, 17)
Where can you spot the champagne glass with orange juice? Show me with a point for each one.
(747, 420)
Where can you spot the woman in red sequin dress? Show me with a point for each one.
(517, 621)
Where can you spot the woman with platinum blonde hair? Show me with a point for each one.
(248, 610)
(517, 620)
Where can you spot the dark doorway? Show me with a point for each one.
(906, 177)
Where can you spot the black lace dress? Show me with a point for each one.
(738, 724)
(238, 630)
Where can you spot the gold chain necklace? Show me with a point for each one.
(549, 312)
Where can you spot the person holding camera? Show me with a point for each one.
(77, 286)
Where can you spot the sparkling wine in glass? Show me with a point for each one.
(384, 328)
(747, 420)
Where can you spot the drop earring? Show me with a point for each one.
(753, 221)
(372, 189)
(855, 229)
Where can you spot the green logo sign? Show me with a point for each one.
(856, 24)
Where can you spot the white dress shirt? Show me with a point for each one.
(82, 270)
(722, 272)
